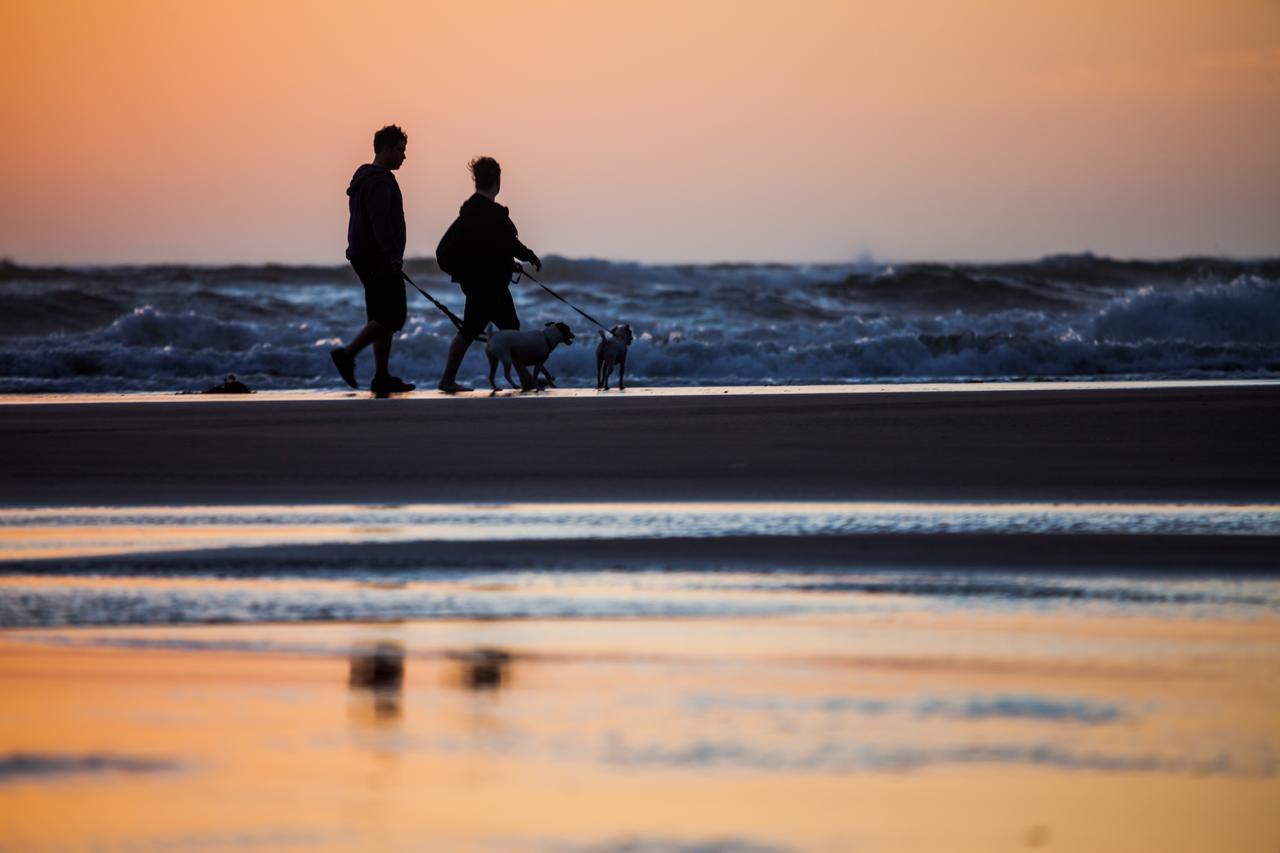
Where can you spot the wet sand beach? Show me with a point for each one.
(882, 725)
(741, 620)
(1142, 443)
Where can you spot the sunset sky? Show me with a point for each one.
(656, 131)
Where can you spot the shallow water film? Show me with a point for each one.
(671, 711)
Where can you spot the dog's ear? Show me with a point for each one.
(550, 323)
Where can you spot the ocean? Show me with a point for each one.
(1079, 649)
(172, 328)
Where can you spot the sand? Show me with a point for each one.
(850, 715)
(1159, 444)
(883, 728)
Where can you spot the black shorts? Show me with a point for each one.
(384, 296)
(488, 306)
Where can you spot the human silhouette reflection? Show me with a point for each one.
(483, 670)
(379, 673)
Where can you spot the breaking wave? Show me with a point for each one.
(172, 328)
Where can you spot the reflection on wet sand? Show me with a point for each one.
(481, 669)
(378, 672)
(969, 730)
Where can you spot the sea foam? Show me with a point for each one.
(1079, 317)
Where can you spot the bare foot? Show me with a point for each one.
(452, 388)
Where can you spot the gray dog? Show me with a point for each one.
(525, 349)
(610, 351)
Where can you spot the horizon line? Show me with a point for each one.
(10, 262)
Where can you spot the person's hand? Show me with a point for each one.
(537, 263)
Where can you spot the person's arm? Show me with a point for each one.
(386, 216)
(521, 251)
(524, 253)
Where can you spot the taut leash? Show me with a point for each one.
(445, 308)
(523, 272)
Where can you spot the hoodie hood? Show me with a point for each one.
(479, 205)
(367, 173)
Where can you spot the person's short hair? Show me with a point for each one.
(389, 137)
(485, 171)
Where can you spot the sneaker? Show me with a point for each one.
(385, 383)
(346, 366)
(453, 388)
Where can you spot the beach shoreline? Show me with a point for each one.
(1107, 691)
(426, 393)
(1211, 443)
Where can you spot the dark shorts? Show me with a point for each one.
(384, 296)
(488, 306)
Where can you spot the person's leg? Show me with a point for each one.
(475, 316)
(382, 354)
(386, 309)
(344, 357)
(504, 311)
(372, 332)
(457, 349)
(391, 311)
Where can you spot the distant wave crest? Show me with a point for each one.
(179, 328)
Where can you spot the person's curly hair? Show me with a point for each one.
(485, 171)
(388, 137)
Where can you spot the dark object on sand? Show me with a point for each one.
(483, 669)
(381, 668)
(379, 672)
(230, 385)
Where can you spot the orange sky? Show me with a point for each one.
(651, 130)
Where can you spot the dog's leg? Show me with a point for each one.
(493, 368)
(526, 383)
(622, 371)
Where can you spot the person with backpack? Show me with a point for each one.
(480, 251)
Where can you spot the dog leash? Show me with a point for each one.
(483, 336)
(523, 272)
(445, 308)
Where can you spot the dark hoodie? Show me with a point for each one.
(376, 229)
(480, 247)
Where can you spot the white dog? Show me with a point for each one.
(610, 351)
(525, 349)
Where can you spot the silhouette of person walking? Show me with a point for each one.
(375, 248)
(479, 251)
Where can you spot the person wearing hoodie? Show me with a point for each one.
(479, 251)
(375, 248)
